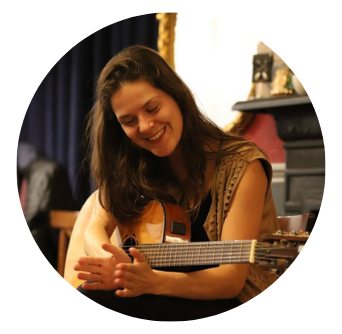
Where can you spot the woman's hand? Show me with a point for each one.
(100, 270)
(117, 271)
(135, 278)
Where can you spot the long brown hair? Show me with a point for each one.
(128, 176)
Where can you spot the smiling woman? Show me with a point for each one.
(149, 117)
(151, 144)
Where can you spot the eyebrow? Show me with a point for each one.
(150, 100)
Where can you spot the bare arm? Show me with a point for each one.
(242, 222)
(99, 263)
(99, 230)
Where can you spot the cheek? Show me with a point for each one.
(180, 123)
(129, 133)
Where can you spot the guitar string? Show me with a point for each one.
(212, 244)
(209, 260)
(198, 246)
(169, 254)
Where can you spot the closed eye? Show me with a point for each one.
(152, 110)
(129, 122)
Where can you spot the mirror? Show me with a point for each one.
(224, 56)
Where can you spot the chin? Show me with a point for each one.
(162, 153)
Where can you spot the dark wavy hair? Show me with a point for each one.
(128, 176)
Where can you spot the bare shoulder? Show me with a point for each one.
(255, 175)
(93, 213)
(247, 205)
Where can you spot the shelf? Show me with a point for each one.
(298, 127)
(272, 103)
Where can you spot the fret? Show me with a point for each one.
(192, 257)
(213, 255)
(240, 251)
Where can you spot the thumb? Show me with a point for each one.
(118, 253)
(110, 249)
(137, 255)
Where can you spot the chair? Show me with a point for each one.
(44, 187)
(64, 221)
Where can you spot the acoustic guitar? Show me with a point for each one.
(163, 233)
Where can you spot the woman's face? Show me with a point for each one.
(149, 117)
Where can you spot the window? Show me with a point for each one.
(215, 59)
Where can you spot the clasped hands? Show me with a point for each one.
(117, 272)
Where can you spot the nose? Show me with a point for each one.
(145, 124)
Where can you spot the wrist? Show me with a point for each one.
(158, 285)
(163, 282)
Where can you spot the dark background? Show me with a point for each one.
(55, 119)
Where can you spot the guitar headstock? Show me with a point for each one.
(278, 251)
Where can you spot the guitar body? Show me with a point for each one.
(159, 222)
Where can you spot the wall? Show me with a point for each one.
(263, 132)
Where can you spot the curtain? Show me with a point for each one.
(55, 119)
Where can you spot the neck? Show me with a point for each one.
(176, 162)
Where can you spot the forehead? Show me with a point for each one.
(132, 96)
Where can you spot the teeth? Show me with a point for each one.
(155, 137)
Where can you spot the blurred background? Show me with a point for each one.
(238, 81)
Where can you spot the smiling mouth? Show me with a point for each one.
(156, 136)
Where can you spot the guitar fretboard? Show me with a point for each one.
(198, 253)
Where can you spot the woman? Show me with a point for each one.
(150, 141)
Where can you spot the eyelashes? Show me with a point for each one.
(132, 121)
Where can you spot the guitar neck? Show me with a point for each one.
(198, 253)
(161, 221)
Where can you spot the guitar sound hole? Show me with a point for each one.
(130, 241)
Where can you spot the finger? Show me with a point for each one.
(96, 261)
(111, 249)
(89, 277)
(87, 268)
(108, 247)
(137, 255)
(122, 293)
(123, 266)
(114, 251)
(125, 278)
